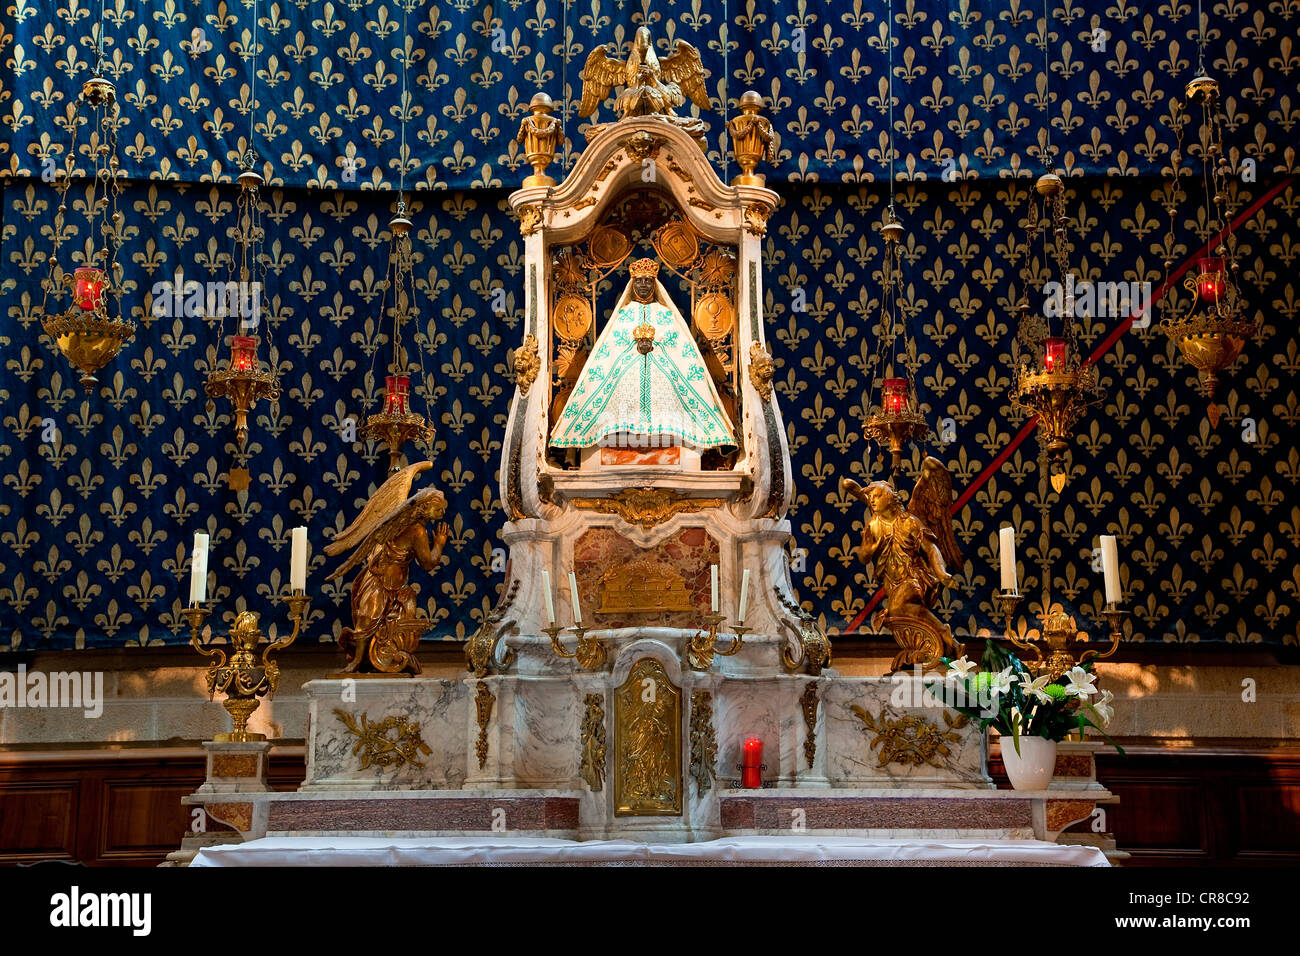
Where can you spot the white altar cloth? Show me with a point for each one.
(789, 850)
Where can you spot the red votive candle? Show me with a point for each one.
(1054, 354)
(894, 395)
(397, 395)
(1210, 282)
(243, 353)
(751, 764)
(88, 287)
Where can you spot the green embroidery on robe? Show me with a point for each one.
(667, 392)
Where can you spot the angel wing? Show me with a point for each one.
(684, 68)
(390, 496)
(424, 504)
(599, 75)
(931, 502)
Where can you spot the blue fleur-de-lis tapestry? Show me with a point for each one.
(100, 495)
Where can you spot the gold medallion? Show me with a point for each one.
(571, 318)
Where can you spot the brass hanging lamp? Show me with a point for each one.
(244, 379)
(1052, 380)
(1212, 330)
(82, 310)
(894, 419)
(396, 424)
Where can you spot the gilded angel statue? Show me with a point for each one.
(909, 549)
(385, 538)
(653, 86)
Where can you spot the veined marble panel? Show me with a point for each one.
(439, 708)
(892, 732)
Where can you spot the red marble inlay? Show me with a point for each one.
(639, 456)
(690, 552)
(456, 813)
(874, 813)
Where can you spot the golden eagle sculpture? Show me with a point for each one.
(909, 550)
(385, 538)
(652, 85)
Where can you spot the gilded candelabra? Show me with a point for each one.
(590, 653)
(1059, 632)
(703, 644)
(244, 677)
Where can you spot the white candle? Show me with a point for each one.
(744, 597)
(550, 603)
(1007, 552)
(1110, 567)
(713, 570)
(199, 569)
(573, 593)
(298, 560)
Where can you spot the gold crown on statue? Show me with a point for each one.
(644, 267)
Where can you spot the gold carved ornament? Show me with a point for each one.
(646, 507)
(530, 218)
(483, 701)
(704, 743)
(906, 548)
(376, 746)
(813, 646)
(593, 742)
(527, 363)
(808, 703)
(911, 740)
(647, 743)
(761, 370)
(481, 648)
(756, 218)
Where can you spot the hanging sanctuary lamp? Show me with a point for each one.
(396, 424)
(894, 419)
(82, 309)
(1213, 330)
(243, 379)
(1051, 378)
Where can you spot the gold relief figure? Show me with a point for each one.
(650, 778)
(653, 85)
(647, 743)
(386, 537)
(906, 549)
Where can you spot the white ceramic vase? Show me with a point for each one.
(1034, 766)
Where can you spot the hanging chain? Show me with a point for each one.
(251, 156)
(1048, 153)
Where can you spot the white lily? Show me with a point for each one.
(1105, 713)
(1001, 682)
(961, 667)
(1082, 684)
(1034, 687)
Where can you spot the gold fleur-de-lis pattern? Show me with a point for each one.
(101, 494)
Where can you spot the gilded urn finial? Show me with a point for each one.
(753, 139)
(541, 135)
